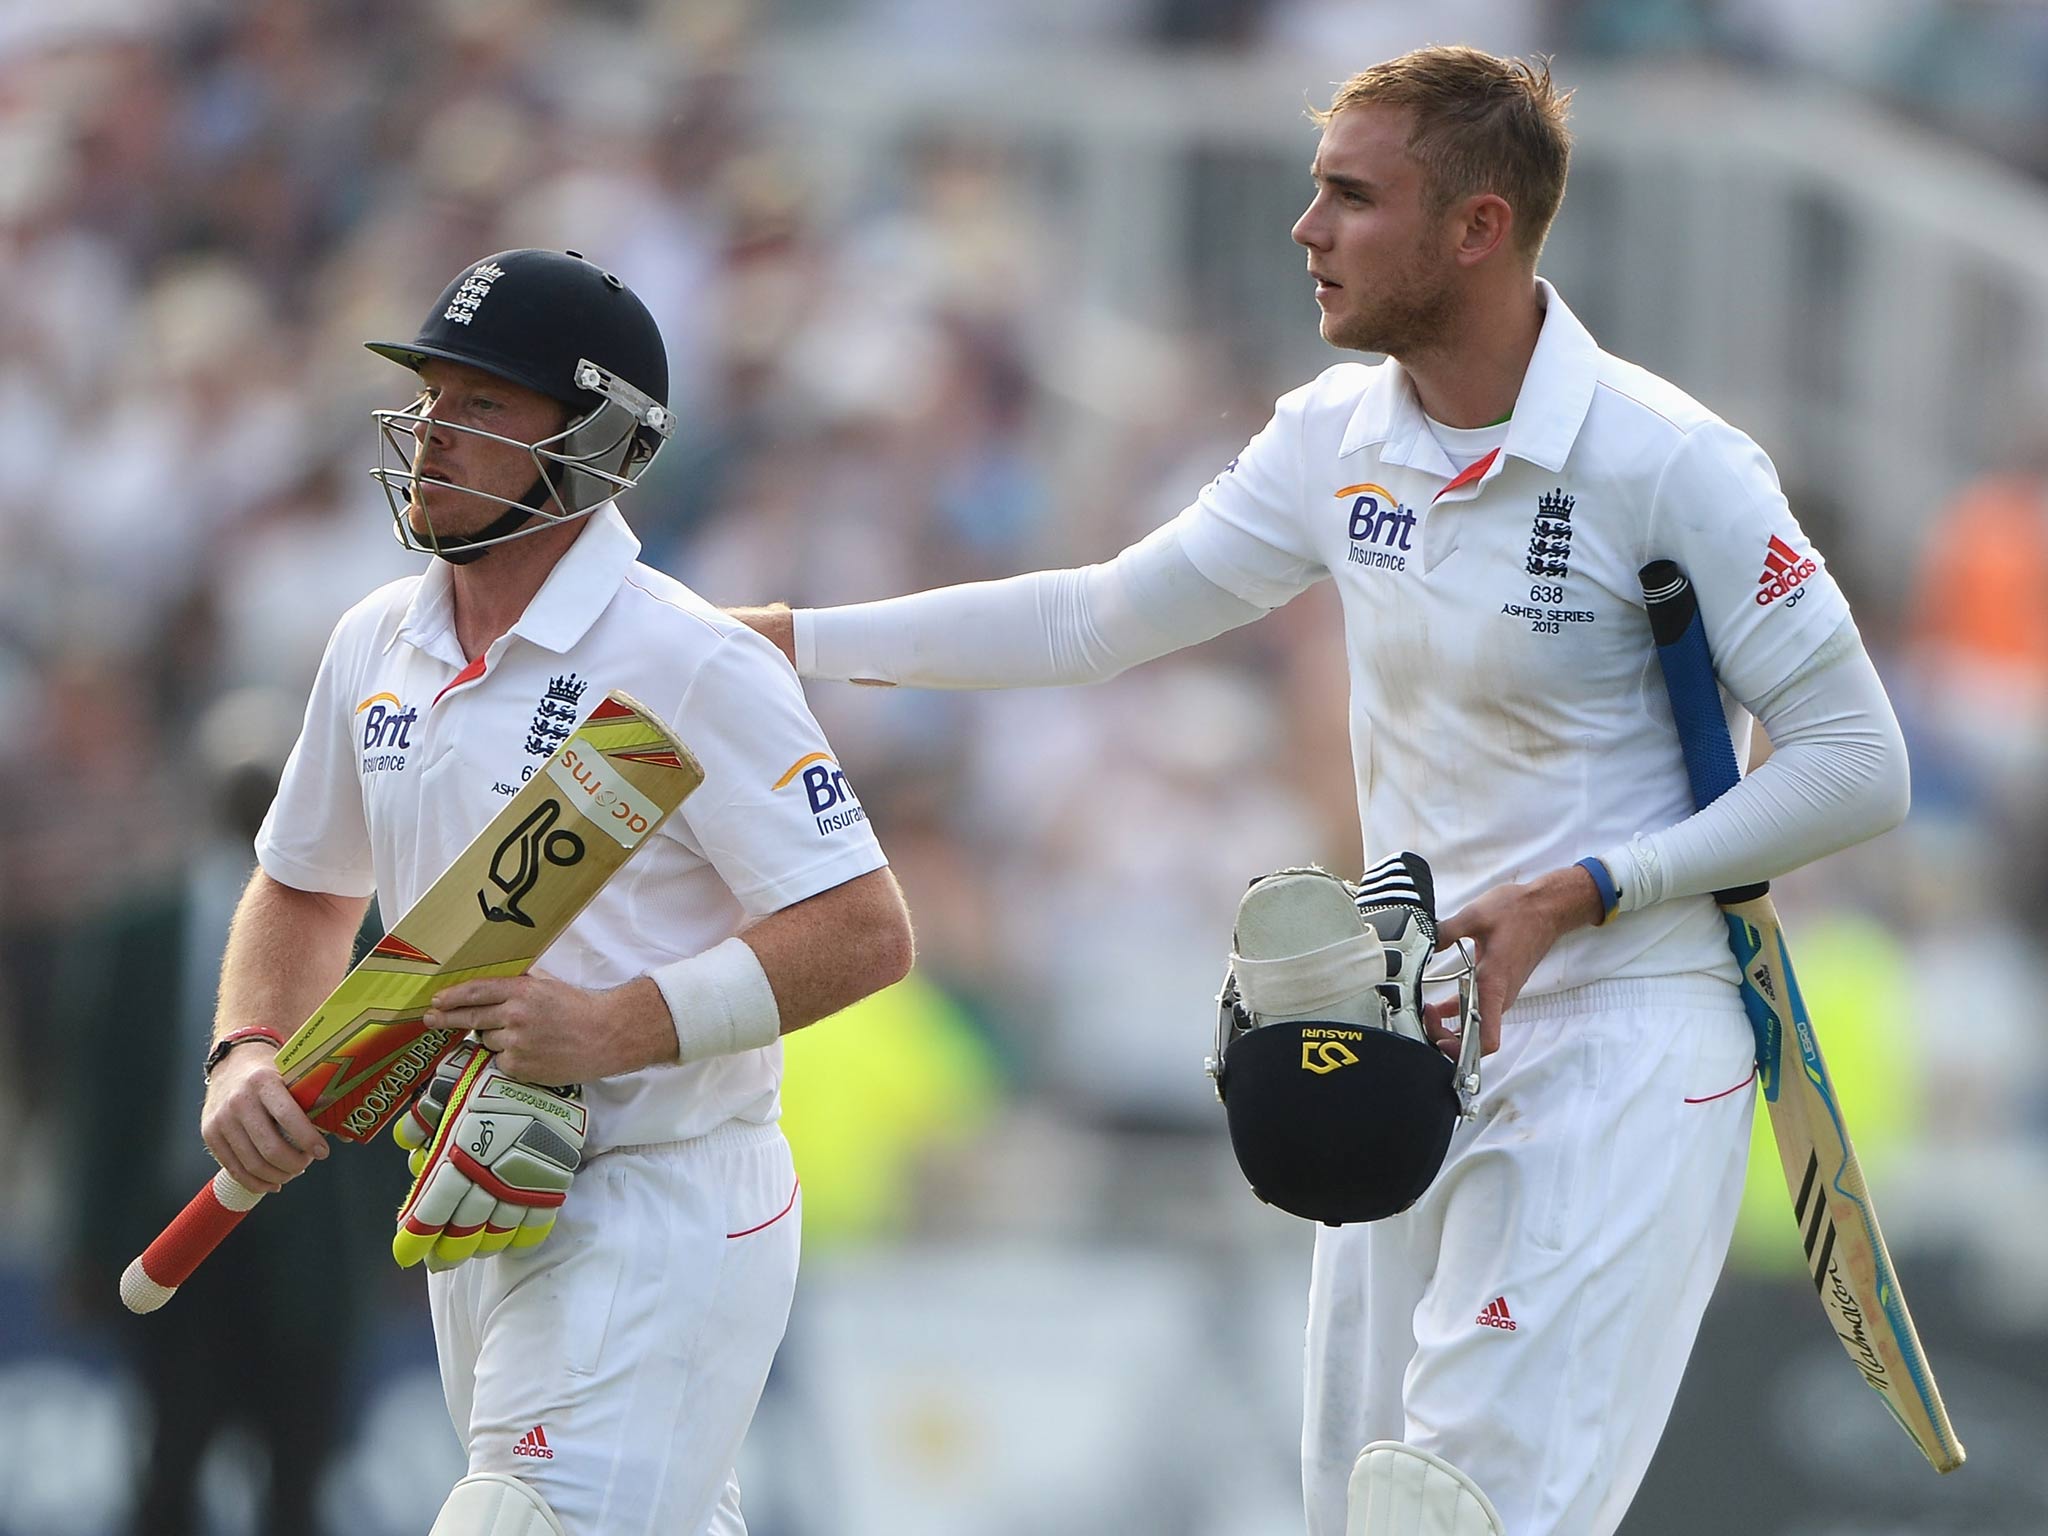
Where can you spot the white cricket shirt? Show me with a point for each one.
(409, 750)
(1507, 713)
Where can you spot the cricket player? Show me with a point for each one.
(600, 1380)
(1502, 1355)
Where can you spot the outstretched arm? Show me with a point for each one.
(1043, 629)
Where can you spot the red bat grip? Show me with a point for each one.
(182, 1246)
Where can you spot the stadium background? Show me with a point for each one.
(952, 290)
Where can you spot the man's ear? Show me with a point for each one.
(1486, 224)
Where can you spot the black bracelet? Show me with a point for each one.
(233, 1038)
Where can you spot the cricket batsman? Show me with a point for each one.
(1500, 1355)
(602, 1366)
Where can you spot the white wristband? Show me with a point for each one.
(1634, 867)
(720, 1001)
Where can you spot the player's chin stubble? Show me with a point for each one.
(449, 510)
(1399, 325)
(445, 522)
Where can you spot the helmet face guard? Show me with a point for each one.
(576, 470)
(561, 326)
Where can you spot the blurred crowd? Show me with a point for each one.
(206, 207)
(205, 211)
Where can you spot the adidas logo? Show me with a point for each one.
(1495, 1315)
(1784, 569)
(534, 1442)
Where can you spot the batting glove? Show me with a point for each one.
(416, 1124)
(492, 1159)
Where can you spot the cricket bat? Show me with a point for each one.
(355, 1063)
(1845, 1251)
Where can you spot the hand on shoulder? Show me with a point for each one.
(776, 622)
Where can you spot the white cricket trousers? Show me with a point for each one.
(1529, 1318)
(615, 1367)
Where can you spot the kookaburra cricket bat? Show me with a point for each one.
(509, 895)
(1845, 1251)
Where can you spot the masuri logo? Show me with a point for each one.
(1326, 1056)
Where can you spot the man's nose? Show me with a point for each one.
(1308, 229)
(429, 428)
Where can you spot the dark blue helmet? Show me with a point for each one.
(566, 328)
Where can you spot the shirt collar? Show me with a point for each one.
(1550, 407)
(576, 591)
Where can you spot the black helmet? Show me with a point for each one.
(563, 326)
(1339, 1107)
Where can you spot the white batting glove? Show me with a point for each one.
(494, 1166)
(415, 1126)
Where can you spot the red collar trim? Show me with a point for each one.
(1468, 474)
(468, 674)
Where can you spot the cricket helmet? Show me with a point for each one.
(1340, 1108)
(558, 324)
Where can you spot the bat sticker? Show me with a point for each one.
(533, 841)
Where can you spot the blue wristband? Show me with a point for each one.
(1610, 893)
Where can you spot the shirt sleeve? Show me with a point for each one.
(1836, 775)
(1766, 597)
(1039, 630)
(315, 837)
(776, 815)
(1244, 530)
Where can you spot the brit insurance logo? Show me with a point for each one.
(1380, 527)
(387, 724)
(831, 798)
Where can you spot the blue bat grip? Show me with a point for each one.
(1688, 667)
(1689, 678)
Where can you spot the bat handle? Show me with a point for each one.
(181, 1247)
(1689, 682)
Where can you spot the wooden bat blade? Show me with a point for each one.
(1845, 1250)
(505, 899)
(508, 896)
(1846, 1256)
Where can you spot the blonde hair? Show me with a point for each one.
(1482, 124)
